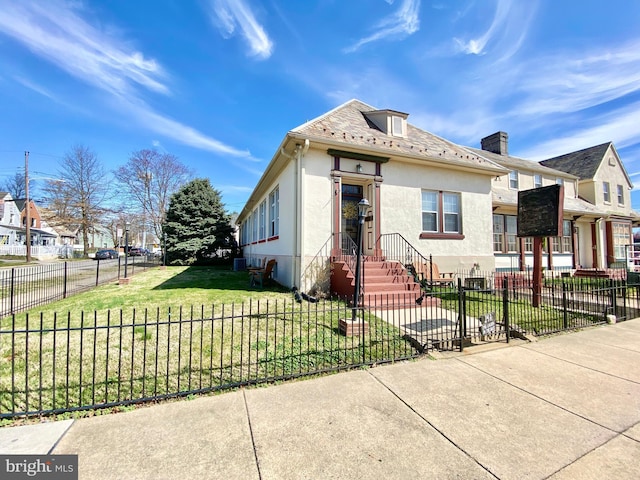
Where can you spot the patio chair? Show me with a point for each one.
(259, 275)
(430, 273)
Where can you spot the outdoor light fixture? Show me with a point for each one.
(363, 207)
(359, 170)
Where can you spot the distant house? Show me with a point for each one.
(39, 236)
(570, 250)
(456, 203)
(11, 231)
(604, 182)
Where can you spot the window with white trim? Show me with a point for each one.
(620, 195)
(621, 239)
(505, 233)
(606, 192)
(537, 180)
(441, 212)
(513, 179)
(254, 226)
(274, 212)
(263, 220)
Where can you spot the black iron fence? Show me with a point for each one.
(60, 363)
(28, 286)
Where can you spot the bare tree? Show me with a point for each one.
(149, 179)
(15, 186)
(79, 195)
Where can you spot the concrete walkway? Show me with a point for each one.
(566, 407)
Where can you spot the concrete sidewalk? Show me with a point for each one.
(566, 407)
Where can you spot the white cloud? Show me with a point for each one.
(621, 126)
(179, 132)
(405, 21)
(566, 83)
(56, 33)
(228, 15)
(59, 35)
(506, 33)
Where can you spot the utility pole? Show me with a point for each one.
(27, 206)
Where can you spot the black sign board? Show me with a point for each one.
(540, 211)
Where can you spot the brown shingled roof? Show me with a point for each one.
(583, 163)
(348, 124)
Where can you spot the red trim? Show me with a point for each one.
(270, 239)
(262, 241)
(441, 236)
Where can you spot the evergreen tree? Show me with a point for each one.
(197, 226)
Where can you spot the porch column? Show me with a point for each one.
(377, 251)
(337, 189)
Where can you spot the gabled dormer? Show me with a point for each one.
(390, 122)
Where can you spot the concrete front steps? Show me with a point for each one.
(385, 284)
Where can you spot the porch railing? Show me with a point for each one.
(316, 277)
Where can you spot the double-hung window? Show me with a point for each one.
(620, 195)
(505, 233)
(537, 180)
(441, 213)
(263, 220)
(274, 212)
(606, 192)
(513, 179)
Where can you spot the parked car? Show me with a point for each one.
(138, 252)
(105, 254)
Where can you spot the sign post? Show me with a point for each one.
(540, 215)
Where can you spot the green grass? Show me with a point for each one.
(120, 343)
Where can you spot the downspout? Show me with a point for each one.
(297, 222)
(296, 272)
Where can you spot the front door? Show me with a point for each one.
(351, 196)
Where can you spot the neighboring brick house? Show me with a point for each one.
(39, 236)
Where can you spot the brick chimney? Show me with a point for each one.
(496, 143)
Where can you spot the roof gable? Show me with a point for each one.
(583, 163)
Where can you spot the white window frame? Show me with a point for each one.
(537, 180)
(606, 192)
(262, 231)
(513, 180)
(620, 195)
(448, 205)
(274, 212)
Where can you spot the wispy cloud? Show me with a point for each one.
(180, 132)
(507, 31)
(55, 32)
(52, 31)
(570, 83)
(36, 88)
(229, 15)
(620, 126)
(405, 21)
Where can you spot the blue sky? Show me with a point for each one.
(219, 82)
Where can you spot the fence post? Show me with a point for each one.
(64, 281)
(565, 313)
(12, 289)
(505, 306)
(612, 294)
(462, 317)
(97, 271)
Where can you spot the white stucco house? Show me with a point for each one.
(426, 194)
